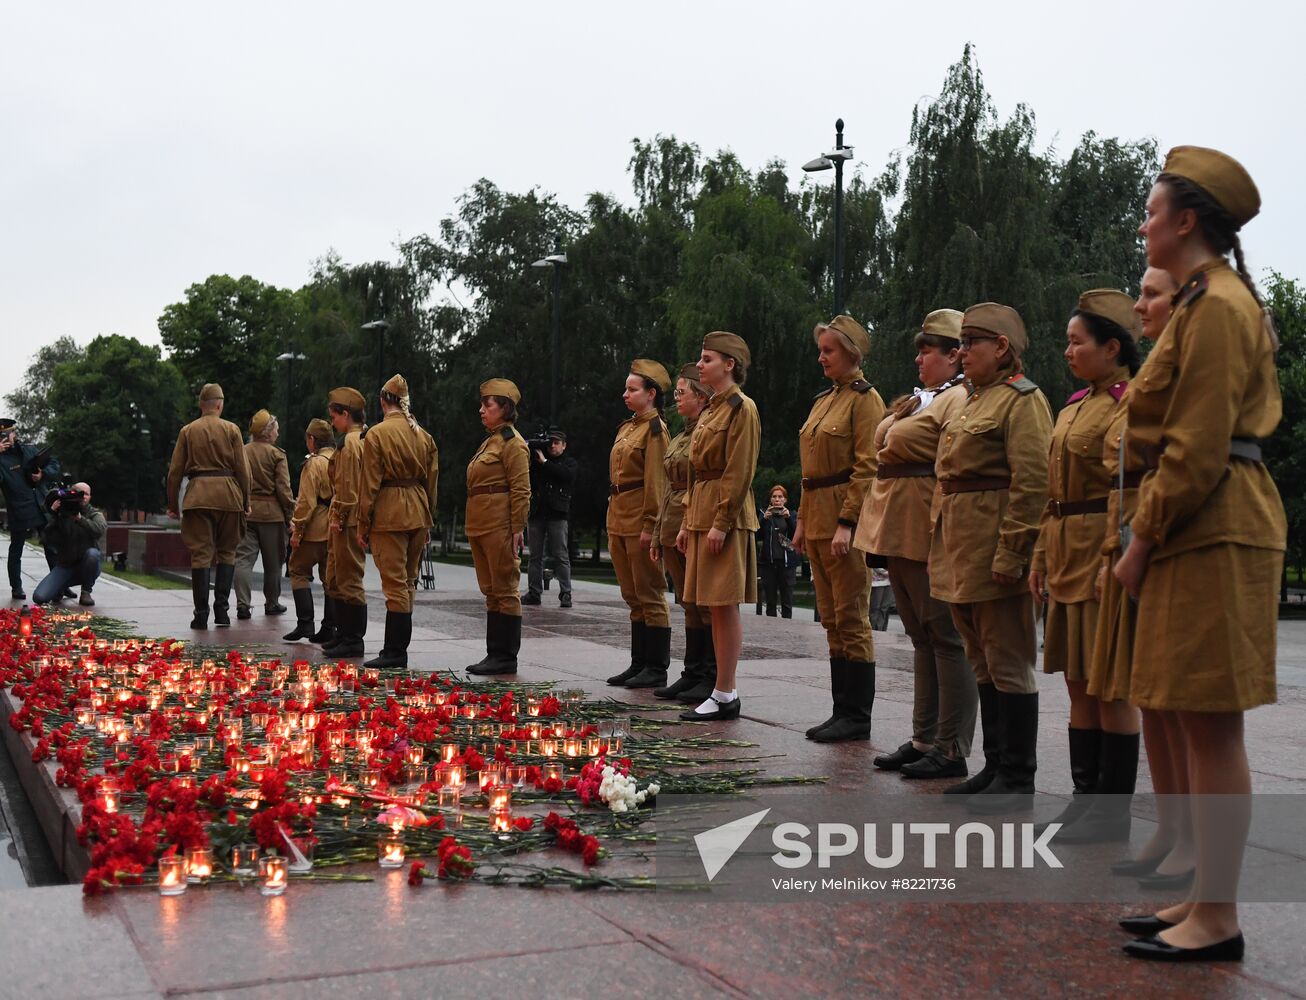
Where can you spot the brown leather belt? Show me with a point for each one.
(978, 485)
(709, 475)
(615, 488)
(388, 483)
(480, 491)
(212, 473)
(678, 487)
(905, 470)
(265, 496)
(1133, 480)
(825, 482)
(1240, 450)
(1068, 508)
(323, 503)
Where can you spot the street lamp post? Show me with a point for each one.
(556, 260)
(290, 357)
(379, 326)
(835, 158)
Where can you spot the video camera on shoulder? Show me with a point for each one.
(70, 500)
(539, 441)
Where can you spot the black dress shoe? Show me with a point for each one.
(530, 598)
(18, 595)
(68, 594)
(935, 764)
(564, 601)
(274, 609)
(1131, 868)
(905, 754)
(724, 710)
(243, 614)
(1165, 883)
(1145, 925)
(1153, 948)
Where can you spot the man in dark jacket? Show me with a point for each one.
(553, 474)
(25, 472)
(76, 538)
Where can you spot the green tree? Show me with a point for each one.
(1285, 452)
(29, 404)
(117, 410)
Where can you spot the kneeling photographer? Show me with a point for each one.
(75, 537)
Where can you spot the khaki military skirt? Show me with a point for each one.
(1207, 622)
(1113, 649)
(1068, 638)
(729, 577)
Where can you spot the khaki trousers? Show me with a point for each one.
(843, 596)
(266, 539)
(398, 558)
(344, 580)
(211, 536)
(1001, 642)
(695, 617)
(642, 585)
(946, 698)
(498, 572)
(302, 561)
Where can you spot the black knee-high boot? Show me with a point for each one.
(303, 615)
(199, 587)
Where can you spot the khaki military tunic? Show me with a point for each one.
(1069, 546)
(270, 500)
(637, 483)
(999, 441)
(211, 454)
(345, 564)
(1209, 601)
(670, 518)
(836, 442)
(895, 518)
(396, 504)
(723, 460)
(498, 503)
(308, 522)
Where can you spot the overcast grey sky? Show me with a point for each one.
(147, 145)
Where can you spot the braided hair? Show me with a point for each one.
(1217, 226)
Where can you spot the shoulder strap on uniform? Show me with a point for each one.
(824, 392)
(1075, 397)
(735, 401)
(1193, 290)
(1118, 390)
(860, 385)
(1021, 383)
(506, 433)
(655, 426)
(363, 433)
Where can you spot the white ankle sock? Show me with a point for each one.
(719, 697)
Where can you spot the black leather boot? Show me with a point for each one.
(636, 656)
(1012, 788)
(1085, 753)
(991, 723)
(327, 633)
(835, 675)
(503, 643)
(853, 710)
(491, 643)
(352, 626)
(1107, 818)
(705, 683)
(199, 587)
(398, 634)
(657, 658)
(303, 615)
(222, 579)
(693, 666)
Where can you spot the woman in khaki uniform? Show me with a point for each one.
(308, 531)
(993, 479)
(721, 514)
(344, 555)
(396, 508)
(270, 507)
(211, 457)
(1206, 553)
(1102, 350)
(498, 502)
(637, 483)
(699, 676)
(837, 449)
(895, 526)
(1166, 859)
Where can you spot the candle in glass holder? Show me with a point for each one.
(415, 755)
(371, 675)
(552, 771)
(109, 798)
(501, 821)
(371, 779)
(448, 752)
(416, 774)
(272, 875)
(532, 706)
(244, 859)
(533, 730)
(548, 748)
(455, 776)
(571, 747)
(515, 775)
(390, 850)
(85, 714)
(449, 797)
(593, 746)
(172, 875)
(199, 866)
(500, 796)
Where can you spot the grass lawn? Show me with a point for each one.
(146, 580)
